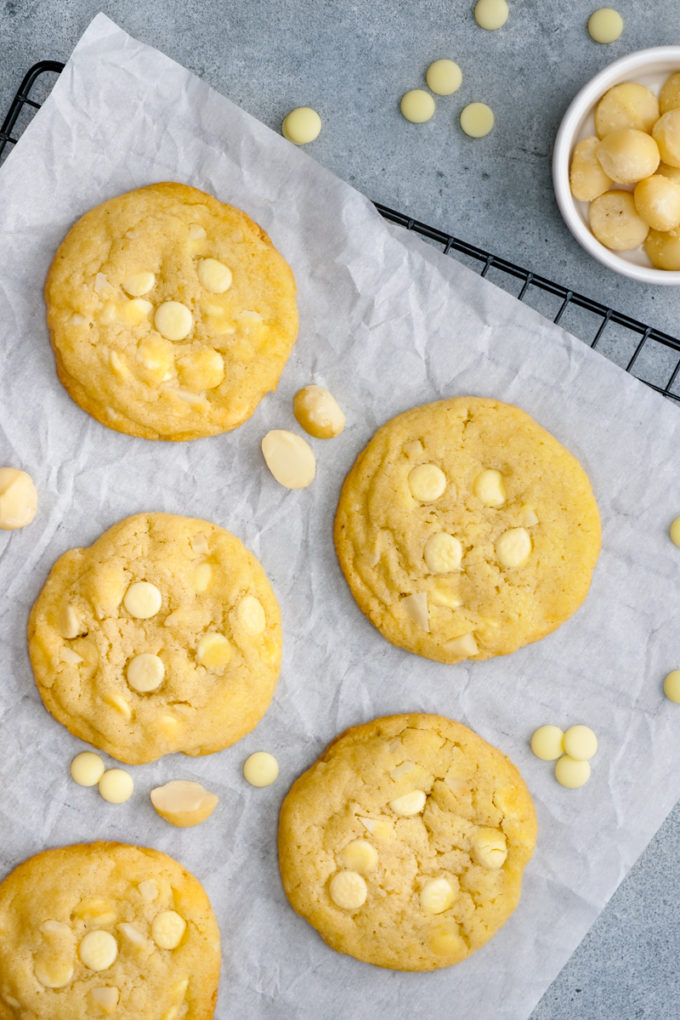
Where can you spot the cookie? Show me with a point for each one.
(465, 530)
(171, 314)
(404, 844)
(164, 635)
(106, 929)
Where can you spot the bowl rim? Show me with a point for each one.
(584, 99)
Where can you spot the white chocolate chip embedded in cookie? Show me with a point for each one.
(436, 896)
(513, 548)
(173, 320)
(214, 651)
(348, 890)
(18, 499)
(142, 600)
(490, 847)
(443, 553)
(201, 370)
(409, 804)
(214, 275)
(53, 971)
(489, 487)
(138, 284)
(359, 855)
(98, 950)
(145, 672)
(427, 482)
(251, 615)
(167, 929)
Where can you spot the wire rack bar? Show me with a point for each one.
(655, 355)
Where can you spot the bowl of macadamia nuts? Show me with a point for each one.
(616, 166)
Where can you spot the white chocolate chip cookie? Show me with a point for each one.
(465, 530)
(171, 314)
(164, 635)
(81, 937)
(404, 844)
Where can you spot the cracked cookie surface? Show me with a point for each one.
(171, 314)
(106, 929)
(466, 530)
(163, 635)
(404, 844)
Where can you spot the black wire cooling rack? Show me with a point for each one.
(649, 354)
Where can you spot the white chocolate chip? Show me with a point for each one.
(116, 786)
(183, 803)
(53, 971)
(571, 773)
(196, 232)
(546, 742)
(359, 855)
(142, 600)
(101, 283)
(54, 928)
(301, 126)
(157, 356)
(251, 615)
(98, 950)
(202, 578)
(528, 516)
(442, 596)
(173, 320)
(97, 909)
(105, 999)
(289, 458)
(348, 890)
(87, 768)
(409, 804)
(214, 651)
(70, 657)
(168, 724)
(201, 370)
(18, 499)
(489, 488)
(416, 608)
(145, 672)
(443, 553)
(138, 284)
(260, 769)
(167, 929)
(149, 889)
(427, 482)
(490, 847)
(513, 548)
(436, 896)
(580, 742)
(118, 702)
(136, 311)
(214, 275)
(318, 412)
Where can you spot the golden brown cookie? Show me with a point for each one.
(404, 844)
(164, 635)
(106, 929)
(171, 314)
(465, 530)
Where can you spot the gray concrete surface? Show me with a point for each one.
(352, 60)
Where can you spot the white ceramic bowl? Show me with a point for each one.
(650, 68)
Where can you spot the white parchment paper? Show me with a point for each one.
(386, 323)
